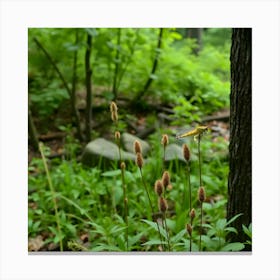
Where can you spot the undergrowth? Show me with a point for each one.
(96, 210)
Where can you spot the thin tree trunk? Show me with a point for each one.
(33, 136)
(117, 65)
(88, 88)
(155, 64)
(75, 112)
(240, 148)
(195, 33)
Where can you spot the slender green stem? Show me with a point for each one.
(199, 160)
(53, 195)
(200, 233)
(151, 205)
(125, 201)
(190, 187)
(146, 189)
(166, 229)
(163, 160)
(119, 149)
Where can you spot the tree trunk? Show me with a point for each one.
(240, 148)
(75, 113)
(153, 71)
(88, 87)
(195, 33)
(33, 136)
(117, 64)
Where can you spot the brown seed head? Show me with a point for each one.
(186, 152)
(158, 187)
(165, 179)
(189, 229)
(117, 135)
(122, 165)
(162, 204)
(192, 215)
(164, 140)
(113, 107)
(137, 147)
(139, 160)
(114, 116)
(201, 194)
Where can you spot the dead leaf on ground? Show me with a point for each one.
(35, 244)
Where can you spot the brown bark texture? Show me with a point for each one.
(240, 148)
(88, 88)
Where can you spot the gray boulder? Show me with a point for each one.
(174, 152)
(128, 141)
(101, 148)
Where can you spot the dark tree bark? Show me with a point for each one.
(88, 87)
(195, 33)
(154, 67)
(32, 132)
(117, 64)
(240, 148)
(75, 113)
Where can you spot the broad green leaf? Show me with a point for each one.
(237, 246)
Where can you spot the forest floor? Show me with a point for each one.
(55, 138)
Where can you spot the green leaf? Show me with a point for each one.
(111, 173)
(105, 247)
(247, 231)
(134, 239)
(154, 226)
(221, 224)
(71, 228)
(234, 218)
(178, 236)
(154, 242)
(129, 176)
(207, 226)
(231, 229)
(118, 192)
(236, 246)
(151, 224)
(92, 31)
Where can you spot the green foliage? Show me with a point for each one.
(187, 80)
(48, 99)
(90, 200)
(248, 232)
